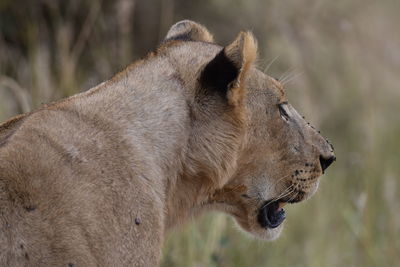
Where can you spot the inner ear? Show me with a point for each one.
(219, 73)
(187, 30)
(227, 72)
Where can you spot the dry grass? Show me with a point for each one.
(341, 62)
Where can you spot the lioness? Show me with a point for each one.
(99, 178)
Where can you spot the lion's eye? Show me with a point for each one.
(283, 112)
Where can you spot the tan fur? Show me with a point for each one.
(191, 31)
(243, 52)
(97, 179)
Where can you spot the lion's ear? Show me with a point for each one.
(188, 30)
(227, 72)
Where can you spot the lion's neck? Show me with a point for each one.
(154, 117)
(207, 167)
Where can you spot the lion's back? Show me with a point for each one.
(69, 193)
(29, 188)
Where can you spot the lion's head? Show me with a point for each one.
(254, 149)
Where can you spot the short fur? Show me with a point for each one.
(99, 178)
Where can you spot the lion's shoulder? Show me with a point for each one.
(8, 128)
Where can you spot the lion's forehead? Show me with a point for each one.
(262, 87)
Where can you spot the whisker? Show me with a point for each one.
(294, 76)
(285, 75)
(288, 76)
(290, 189)
(270, 64)
(294, 196)
(284, 194)
(278, 181)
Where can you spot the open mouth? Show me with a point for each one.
(271, 214)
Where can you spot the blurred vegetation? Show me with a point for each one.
(341, 63)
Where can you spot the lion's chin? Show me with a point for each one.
(267, 234)
(256, 231)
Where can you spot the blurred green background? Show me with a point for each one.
(340, 61)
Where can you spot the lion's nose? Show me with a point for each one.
(326, 161)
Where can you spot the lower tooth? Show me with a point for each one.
(282, 204)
